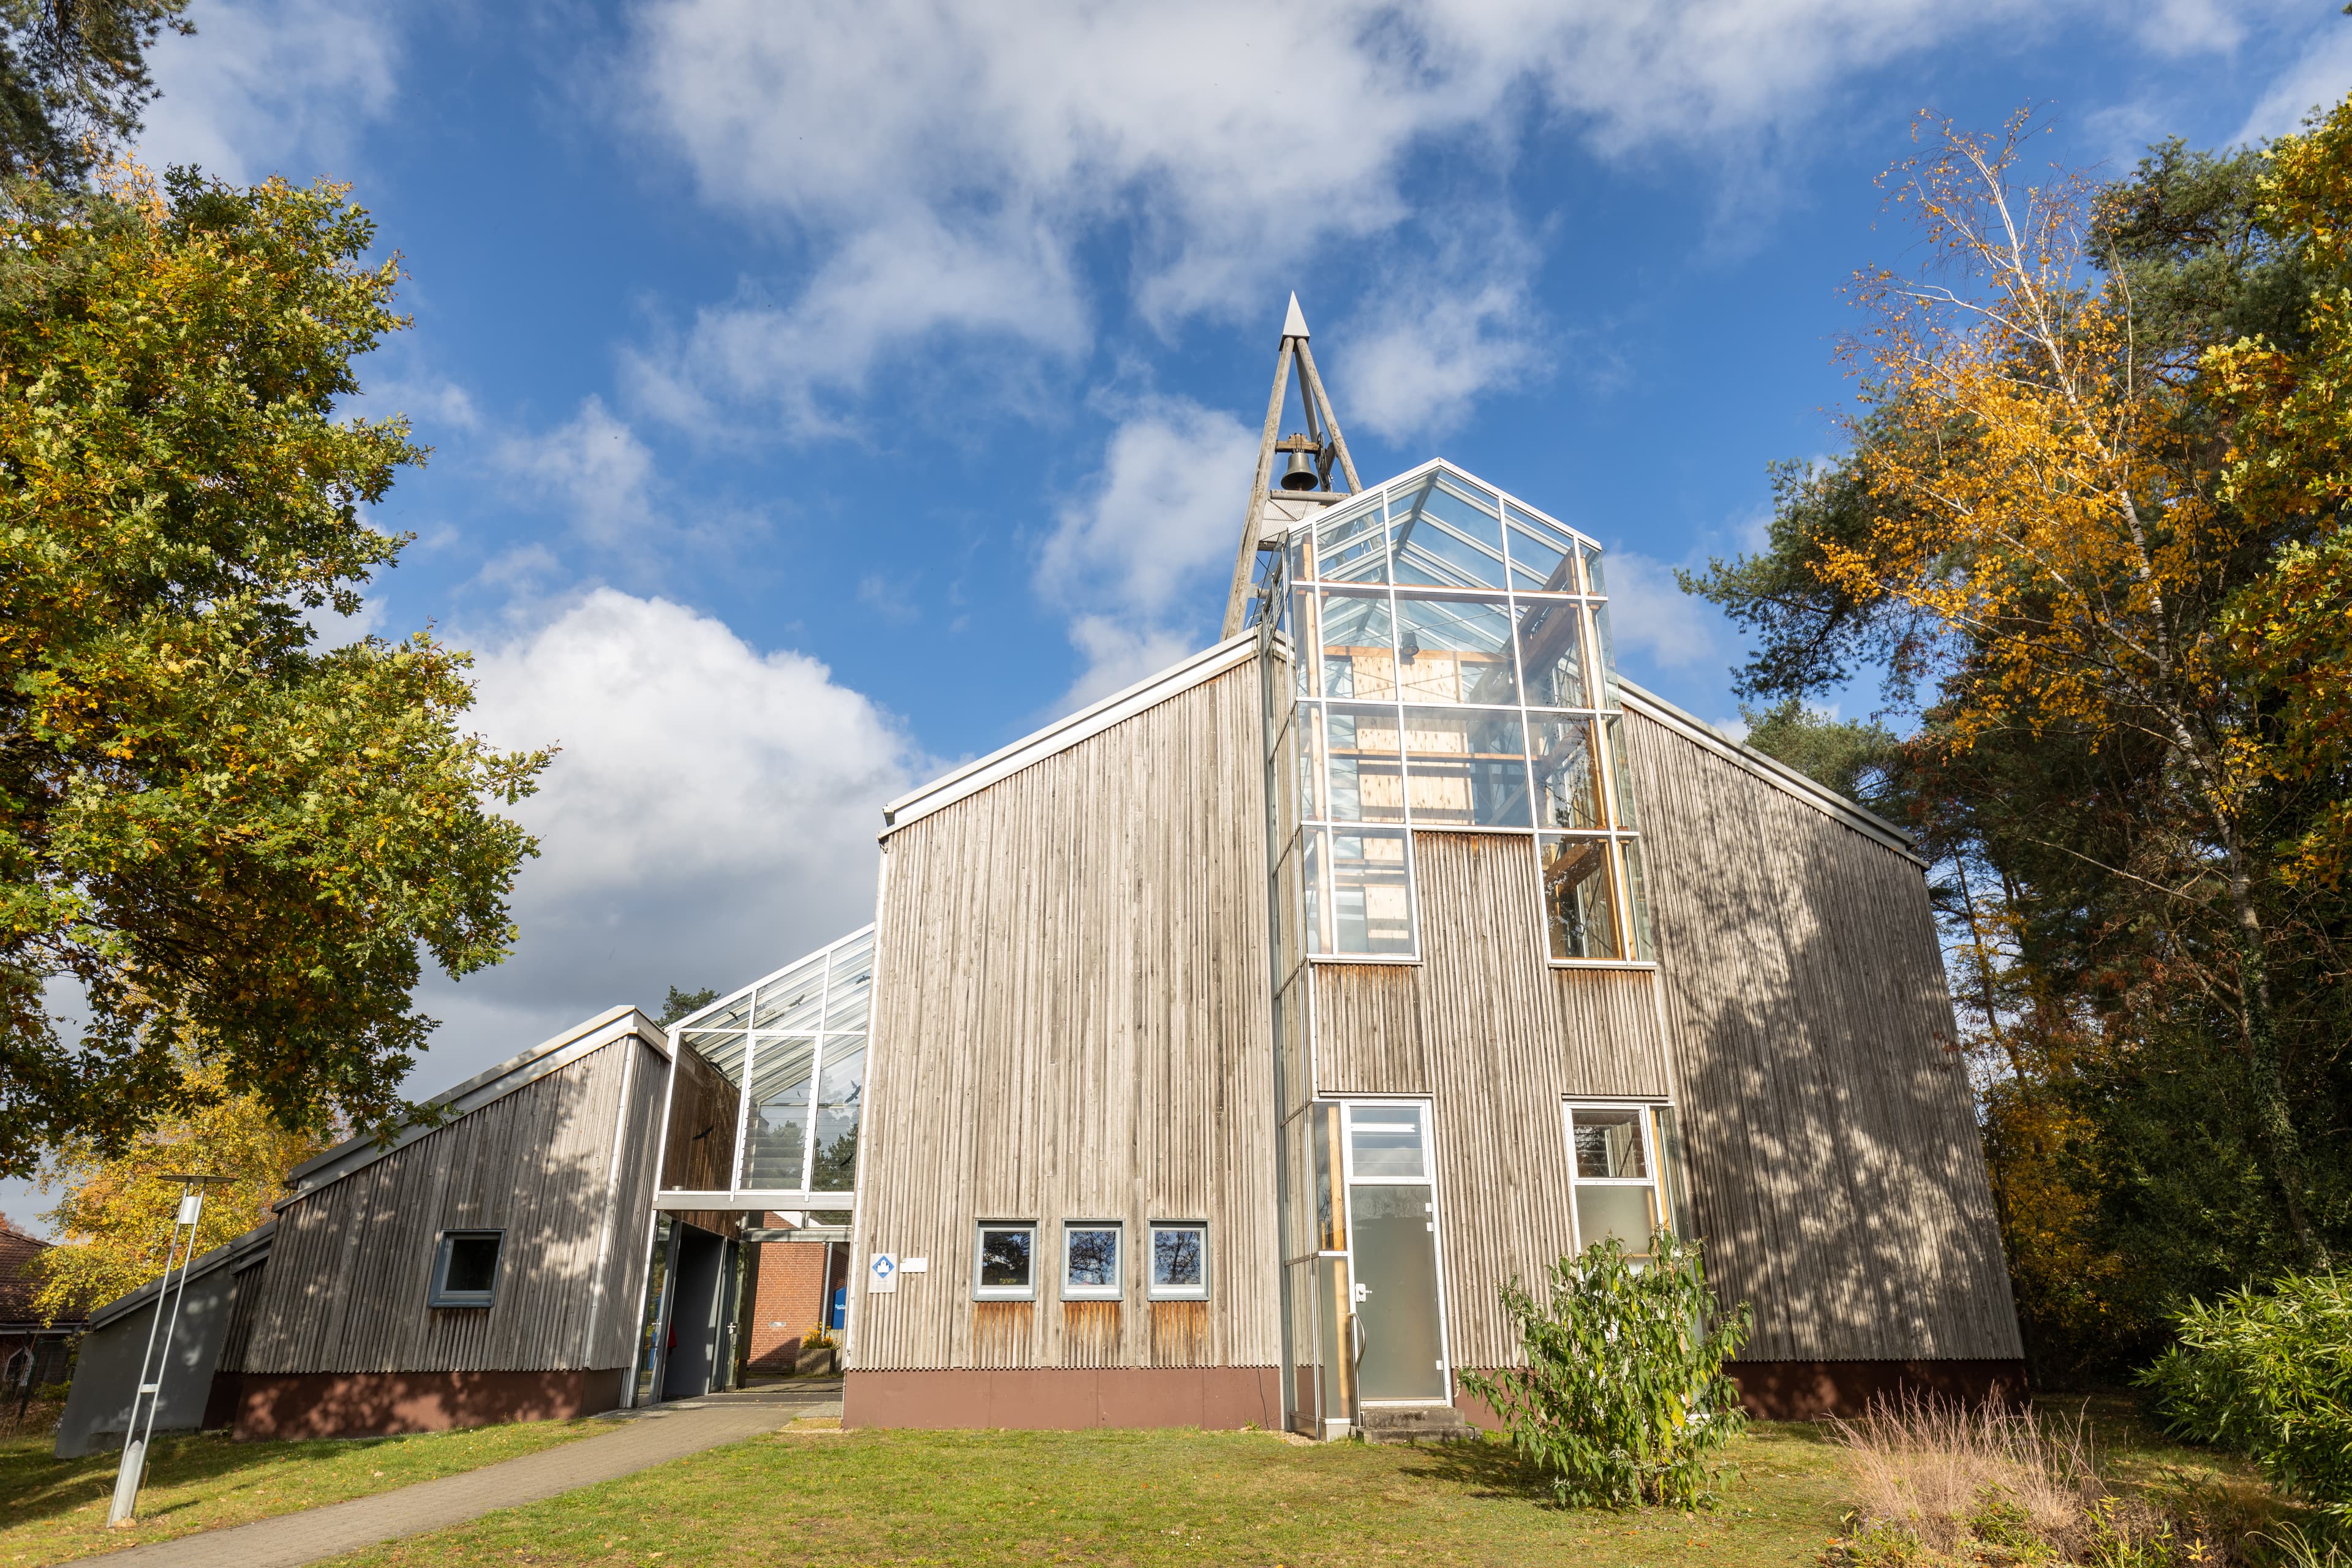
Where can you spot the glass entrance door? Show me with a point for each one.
(1399, 1327)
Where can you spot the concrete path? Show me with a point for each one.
(640, 1440)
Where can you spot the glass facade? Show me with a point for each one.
(1452, 670)
(793, 1045)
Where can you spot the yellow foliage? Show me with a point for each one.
(114, 1220)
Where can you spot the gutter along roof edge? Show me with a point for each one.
(1063, 733)
(1772, 770)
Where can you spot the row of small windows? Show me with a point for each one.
(1093, 1261)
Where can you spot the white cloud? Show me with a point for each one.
(712, 815)
(933, 170)
(594, 468)
(1652, 619)
(1159, 520)
(272, 86)
(1431, 348)
(2319, 77)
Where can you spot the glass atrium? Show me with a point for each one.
(793, 1045)
(1452, 671)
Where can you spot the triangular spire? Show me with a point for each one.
(1321, 437)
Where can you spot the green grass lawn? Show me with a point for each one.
(53, 1509)
(814, 1497)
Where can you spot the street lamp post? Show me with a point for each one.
(152, 1366)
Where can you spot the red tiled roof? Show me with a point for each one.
(17, 1251)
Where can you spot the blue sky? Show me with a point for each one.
(822, 394)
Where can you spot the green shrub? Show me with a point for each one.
(2270, 1375)
(1622, 1399)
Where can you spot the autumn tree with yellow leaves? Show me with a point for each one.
(2091, 516)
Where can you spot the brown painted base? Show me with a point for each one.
(372, 1404)
(1810, 1390)
(1064, 1399)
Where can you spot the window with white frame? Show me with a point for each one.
(1090, 1261)
(1613, 1161)
(465, 1268)
(1004, 1262)
(1180, 1261)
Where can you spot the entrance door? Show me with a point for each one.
(1393, 1245)
(694, 1315)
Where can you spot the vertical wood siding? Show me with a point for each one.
(1071, 1021)
(350, 1267)
(1497, 1039)
(1835, 1163)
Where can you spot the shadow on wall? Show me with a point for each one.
(1835, 1164)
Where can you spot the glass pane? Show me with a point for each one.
(1396, 1264)
(1372, 902)
(1091, 1259)
(1624, 777)
(1435, 539)
(1334, 1307)
(1604, 656)
(1331, 1223)
(1568, 773)
(1543, 557)
(851, 986)
(1366, 771)
(1608, 1144)
(792, 1001)
(1466, 767)
(838, 1096)
(1316, 845)
(1580, 910)
(777, 1135)
(1304, 641)
(1353, 546)
(722, 1015)
(1469, 506)
(1551, 654)
(1301, 563)
(1359, 654)
(1637, 900)
(1595, 583)
(1455, 650)
(1005, 1256)
(1310, 764)
(1385, 1140)
(1622, 1212)
(1670, 1167)
(473, 1264)
(724, 1052)
(1178, 1257)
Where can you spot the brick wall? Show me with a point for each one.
(788, 1296)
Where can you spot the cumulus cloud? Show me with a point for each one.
(1131, 553)
(2321, 71)
(712, 815)
(1652, 620)
(272, 86)
(594, 468)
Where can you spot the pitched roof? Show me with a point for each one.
(497, 1083)
(17, 1251)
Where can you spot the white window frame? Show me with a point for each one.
(1647, 1118)
(1117, 1288)
(1156, 1292)
(980, 1292)
(441, 1296)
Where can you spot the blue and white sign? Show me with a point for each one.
(882, 1274)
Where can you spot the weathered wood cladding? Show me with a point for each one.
(1497, 1039)
(349, 1269)
(1070, 1022)
(700, 1137)
(1833, 1157)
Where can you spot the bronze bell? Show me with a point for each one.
(1302, 474)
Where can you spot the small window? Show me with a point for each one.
(466, 1269)
(1006, 1268)
(1180, 1262)
(1615, 1173)
(1090, 1262)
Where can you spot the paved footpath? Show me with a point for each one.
(641, 1439)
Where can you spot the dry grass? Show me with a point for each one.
(1931, 1466)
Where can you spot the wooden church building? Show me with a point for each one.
(1216, 1054)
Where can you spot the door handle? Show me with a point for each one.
(1356, 1335)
